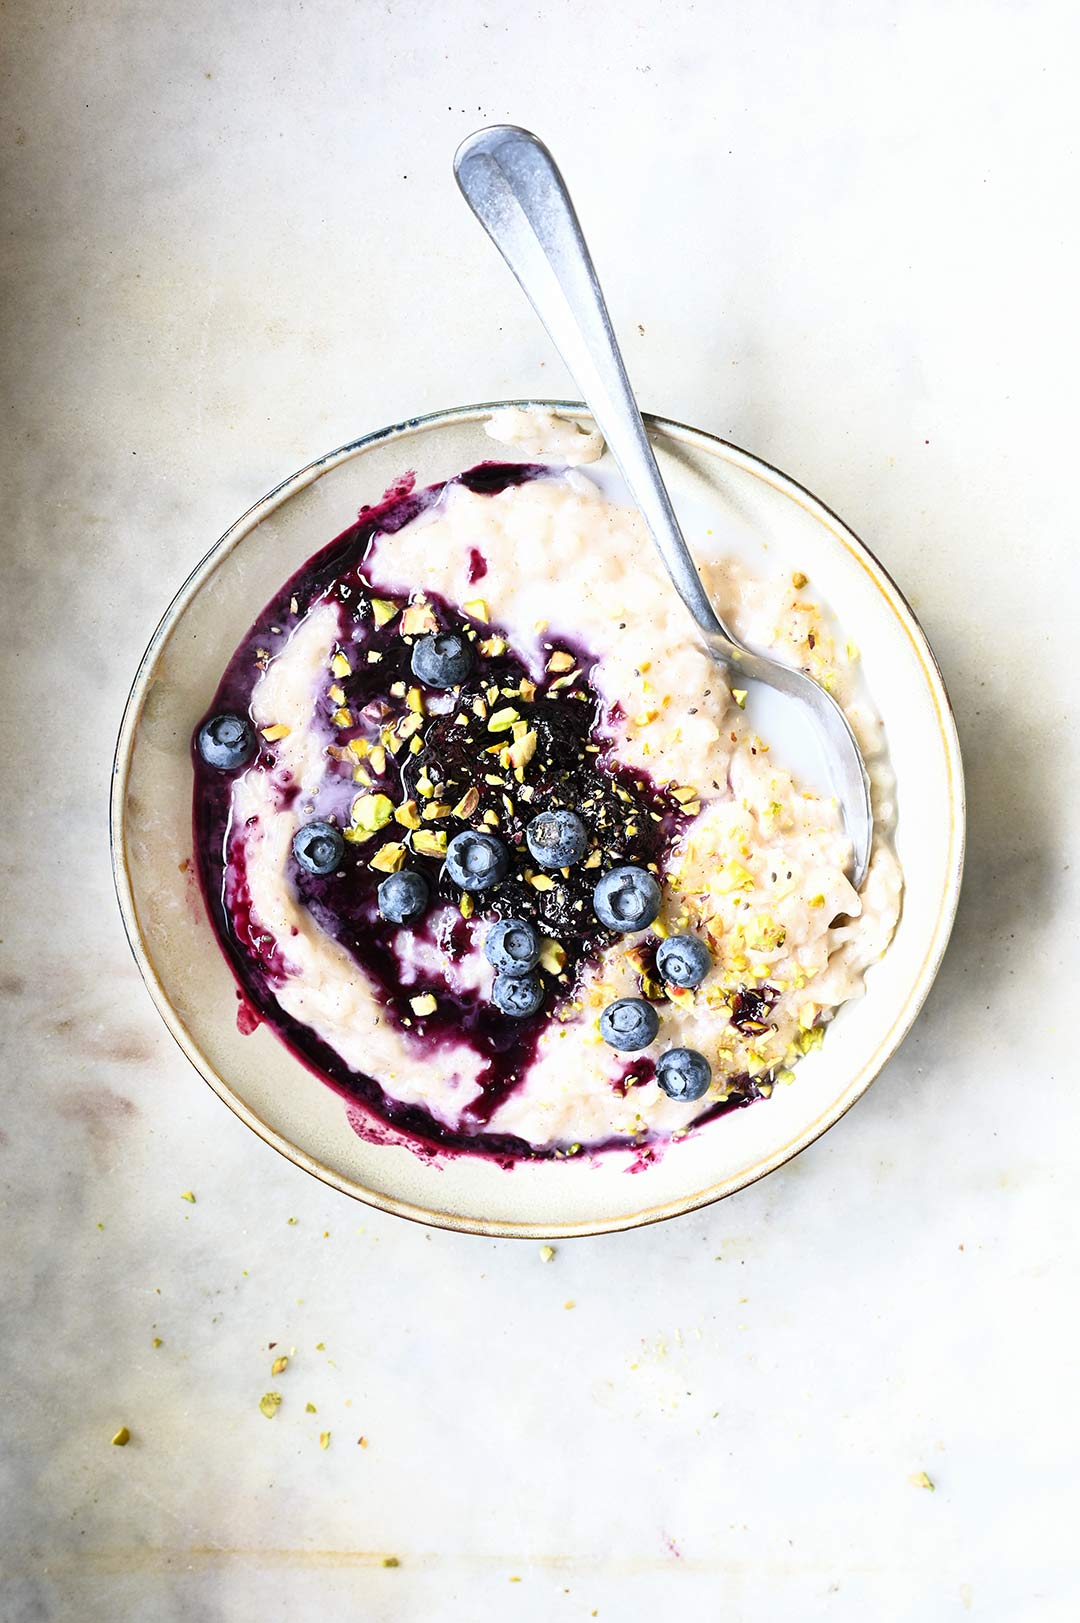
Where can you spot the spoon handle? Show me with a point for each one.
(512, 184)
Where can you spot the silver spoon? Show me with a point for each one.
(510, 181)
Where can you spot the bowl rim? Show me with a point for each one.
(434, 1218)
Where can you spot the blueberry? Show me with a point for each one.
(683, 1073)
(318, 847)
(226, 742)
(626, 898)
(629, 1023)
(442, 660)
(403, 896)
(683, 960)
(557, 839)
(476, 861)
(513, 945)
(517, 995)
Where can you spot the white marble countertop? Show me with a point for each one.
(843, 236)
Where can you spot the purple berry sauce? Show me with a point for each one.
(630, 820)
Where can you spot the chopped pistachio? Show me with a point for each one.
(468, 803)
(270, 1403)
(493, 647)
(593, 860)
(418, 619)
(415, 746)
(798, 580)
(336, 693)
(280, 1365)
(683, 795)
(407, 815)
(522, 751)
(189, 1196)
(811, 1039)
(491, 818)
(560, 661)
(371, 812)
(278, 730)
(476, 609)
(502, 720)
(429, 842)
(383, 610)
(390, 1561)
(324, 1439)
(567, 680)
(157, 1342)
(918, 1479)
(122, 1438)
(540, 881)
(361, 775)
(552, 956)
(374, 656)
(547, 1253)
(377, 758)
(479, 706)
(360, 747)
(339, 665)
(389, 858)
(309, 1408)
(342, 717)
(424, 1004)
(415, 701)
(397, 690)
(739, 695)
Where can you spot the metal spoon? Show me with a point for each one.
(510, 181)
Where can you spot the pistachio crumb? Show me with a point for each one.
(270, 1403)
(189, 1196)
(547, 1253)
(122, 1438)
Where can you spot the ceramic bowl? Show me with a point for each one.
(289, 1107)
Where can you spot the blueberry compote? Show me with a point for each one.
(488, 755)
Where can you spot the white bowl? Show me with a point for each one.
(288, 1106)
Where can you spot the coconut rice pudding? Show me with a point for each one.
(490, 844)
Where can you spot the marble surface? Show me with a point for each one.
(842, 236)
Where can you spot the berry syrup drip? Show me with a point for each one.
(447, 764)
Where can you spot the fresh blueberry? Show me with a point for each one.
(684, 960)
(557, 839)
(683, 1074)
(476, 861)
(318, 847)
(517, 995)
(513, 945)
(629, 1023)
(226, 742)
(403, 896)
(626, 898)
(442, 660)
